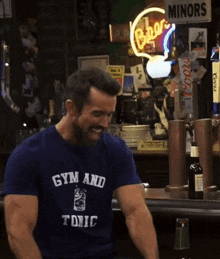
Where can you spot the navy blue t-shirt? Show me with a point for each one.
(74, 186)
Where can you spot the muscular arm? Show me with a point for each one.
(138, 219)
(20, 216)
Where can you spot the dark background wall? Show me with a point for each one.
(63, 33)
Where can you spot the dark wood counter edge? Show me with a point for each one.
(150, 153)
(179, 208)
(161, 153)
(176, 208)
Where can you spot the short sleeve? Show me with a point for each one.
(124, 167)
(21, 174)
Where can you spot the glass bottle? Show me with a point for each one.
(182, 242)
(195, 174)
(52, 118)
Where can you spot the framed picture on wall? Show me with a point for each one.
(101, 61)
(128, 86)
(117, 72)
(198, 42)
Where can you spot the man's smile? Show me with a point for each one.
(97, 130)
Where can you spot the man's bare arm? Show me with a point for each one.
(21, 213)
(138, 219)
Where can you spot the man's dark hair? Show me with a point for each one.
(79, 84)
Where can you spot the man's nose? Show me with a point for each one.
(105, 121)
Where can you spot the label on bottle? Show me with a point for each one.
(194, 151)
(51, 108)
(198, 182)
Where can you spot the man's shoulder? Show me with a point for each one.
(33, 144)
(114, 143)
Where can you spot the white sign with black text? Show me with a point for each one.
(188, 11)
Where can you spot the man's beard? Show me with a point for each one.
(82, 135)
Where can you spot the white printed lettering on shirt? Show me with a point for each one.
(73, 178)
(96, 180)
(81, 221)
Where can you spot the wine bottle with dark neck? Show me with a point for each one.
(195, 174)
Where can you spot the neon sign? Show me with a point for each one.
(141, 37)
(151, 34)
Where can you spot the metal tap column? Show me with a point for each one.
(177, 156)
(203, 137)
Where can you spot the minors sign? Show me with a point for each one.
(188, 11)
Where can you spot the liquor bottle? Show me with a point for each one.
(52, 118)
(195, 174)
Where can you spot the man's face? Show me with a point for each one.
(94, 118)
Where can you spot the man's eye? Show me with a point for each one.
(98, 114)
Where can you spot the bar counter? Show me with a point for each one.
(165, 204)
(204, 217)
(160, 202)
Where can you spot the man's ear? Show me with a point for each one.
(70, 107)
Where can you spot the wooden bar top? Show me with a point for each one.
(163, 203)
